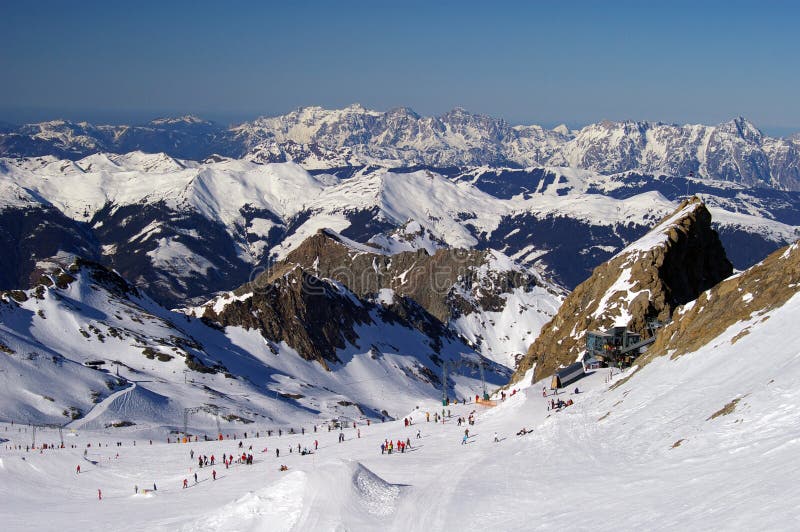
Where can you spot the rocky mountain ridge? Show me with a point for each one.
(442, 292)
(744, 297)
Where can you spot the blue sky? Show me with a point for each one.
(528, 62)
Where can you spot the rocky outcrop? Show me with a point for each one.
(317, 317)
(671, 265)
(310, 315)
(447, 284)
(317, 299)
(743, 297)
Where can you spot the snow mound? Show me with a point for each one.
(345, 494)
(275, 508)
(340, 495)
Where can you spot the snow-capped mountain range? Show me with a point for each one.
(733, 151)
(184, 230)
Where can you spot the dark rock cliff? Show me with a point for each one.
(671, 265)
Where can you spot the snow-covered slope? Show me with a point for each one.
(90, 347)
(707, 440)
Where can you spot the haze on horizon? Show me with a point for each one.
(526, 62)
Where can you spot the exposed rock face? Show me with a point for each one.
(447, 283)
(670, 266)
(744, 297)
(310, 315)
(317, 317)
(317, 299)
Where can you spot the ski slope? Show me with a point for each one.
(707, 440)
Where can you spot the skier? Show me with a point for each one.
(464, 440)
(213, 474)
(195, 478)
(99, 495)
(277, 452)
(136, 489)
(185, 483)
(419, 434)
(383, 448)
(316, 445)
(78, 469)
(495, 438)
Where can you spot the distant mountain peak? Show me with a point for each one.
(172, 120)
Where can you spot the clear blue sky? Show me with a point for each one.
(529, 62)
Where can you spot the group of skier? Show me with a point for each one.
(389, 446)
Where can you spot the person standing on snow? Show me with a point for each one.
(495, 438)
(213, 474)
